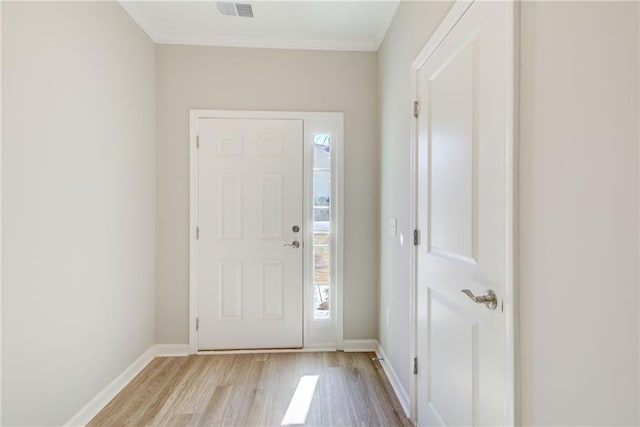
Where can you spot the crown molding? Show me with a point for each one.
(266, 42)
(368, 45)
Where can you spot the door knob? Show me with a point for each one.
(294, 244)
(489, 299)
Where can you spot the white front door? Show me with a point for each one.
(464, 196)
(250, 213)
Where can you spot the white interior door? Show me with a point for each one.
(250, 207)
(463, 204)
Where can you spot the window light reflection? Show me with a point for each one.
(301, 401)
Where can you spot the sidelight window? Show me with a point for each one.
(322, 226)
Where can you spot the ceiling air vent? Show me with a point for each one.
(235, 9)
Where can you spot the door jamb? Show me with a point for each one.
(512, 384)
(337, 205)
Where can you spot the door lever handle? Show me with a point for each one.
(294, 244)
(489, 299)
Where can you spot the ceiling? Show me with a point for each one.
(303, 24)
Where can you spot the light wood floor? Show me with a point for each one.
(255, 390)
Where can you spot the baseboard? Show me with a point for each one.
(95, 405)
(401, 393)
(351, 346)
(171, 350)
(269, 350)
(101, 400)
(374, 345)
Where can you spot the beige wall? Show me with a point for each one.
(412, 26)
(579, 213)
(579, 187)
(265, 79)
(78, 208)
(77, 204)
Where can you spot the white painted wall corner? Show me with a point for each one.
(350, 346)
(170, 350)
(401, 393)
(95, 405)
(374, 346)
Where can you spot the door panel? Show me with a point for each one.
(271, 206)
(230, 287)
(452, 106)
(271, 289)
(230, 207)
(451, 366)
(250, 285)
(462, 203)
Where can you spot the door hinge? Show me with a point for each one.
(415, 366)
(197, 141)
(416, 109)
(197, 233)
(197, 323)
(416, 237)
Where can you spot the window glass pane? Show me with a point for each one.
(321, 267)
(322, 188)
(321, 216)
(321, 238)
(322, 151)
(321, 226)
(321, 302)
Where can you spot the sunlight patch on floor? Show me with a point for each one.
(301, 401)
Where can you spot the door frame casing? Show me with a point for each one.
(337, 217)
(511, 300)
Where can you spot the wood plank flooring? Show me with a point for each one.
(255, 390)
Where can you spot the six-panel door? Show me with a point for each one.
(250, 188)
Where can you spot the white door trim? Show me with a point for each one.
(459, 8)
(0, 218)
(337, 207)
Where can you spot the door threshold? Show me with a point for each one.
(268, 350)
